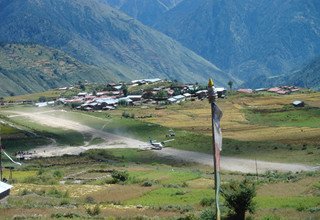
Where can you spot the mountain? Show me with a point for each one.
(98, 35)
(146, 11)
(249, 38)
(30, 68)
(308, 76)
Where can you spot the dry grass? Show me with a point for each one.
(119, 193)
(75, 191)
(195, 116)
(302, 187)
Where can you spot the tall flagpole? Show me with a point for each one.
(212, 100)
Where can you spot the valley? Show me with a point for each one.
(167, 183)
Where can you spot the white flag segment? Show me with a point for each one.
(217, 129)
(11, 158)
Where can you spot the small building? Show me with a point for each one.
(117, 87)
(187, 95)
(41, 104)
(246, 91)
(221, 92)
(261, 90)
(82, 94)
(4, 190)
(298, 103)
(179, 98)
(135, 97)
(201, 94)
(171, 100)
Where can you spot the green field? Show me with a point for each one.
(254, 127)
(175, 189)
(287, 116)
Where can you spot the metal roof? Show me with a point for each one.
(4, 187)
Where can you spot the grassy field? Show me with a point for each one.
(155, 187)
(262, 127)
(248, 134)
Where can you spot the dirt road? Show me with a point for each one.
(116, 141)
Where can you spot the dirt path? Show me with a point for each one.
(116, 141)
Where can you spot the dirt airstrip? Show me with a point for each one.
(117, 141)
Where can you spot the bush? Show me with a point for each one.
(57, 193)
(24, 192)
(65, 215)
(58, 174)
(119, 176)
(93, 211)
(128, 115)
(239, 197)
(207, 202)
(89, 199)
(65, 202)
(207, 214)
(146, 183)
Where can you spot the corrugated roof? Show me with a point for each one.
(4, 187)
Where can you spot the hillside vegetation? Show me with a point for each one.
(26, 68)
(96, 34)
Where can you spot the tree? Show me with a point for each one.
(42, 99)
(82, 87)
(161, 95)
(230, 84)
(239, 197)
(125, 90)
(147, 95)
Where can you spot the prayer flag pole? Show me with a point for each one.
(0, 160)
(216, 143)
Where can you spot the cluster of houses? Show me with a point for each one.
(109, 100)
(117, 94)
(281, 90)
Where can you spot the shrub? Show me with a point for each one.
(239, 197)
(93, 211)
(57, 193)
(24, 192)
(207, 201)
(119, 176)
(65, 215)
(128, 115)
(146, 183)
(65, 202)
(179, 193)
(89, 199)
(58, 174)
(207, 214)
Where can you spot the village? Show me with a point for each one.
(157, 92)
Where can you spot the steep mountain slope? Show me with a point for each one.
(99, 35)
(146, 11)
(247, 37)
(30, 68)
(308, 76)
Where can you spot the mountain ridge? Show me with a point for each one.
(251, 39)
(99, 35)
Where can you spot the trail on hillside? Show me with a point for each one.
(118, 141)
